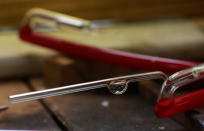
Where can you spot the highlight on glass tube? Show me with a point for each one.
(180, 79)
(117, 85)
(167, 105)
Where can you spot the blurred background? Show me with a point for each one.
(165, 28)
(170, 28)
(12, 11)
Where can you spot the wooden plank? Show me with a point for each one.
(28, 115)
(62, 70)
(94, 71)
(92, 111)
(59, 71)
(13, 11)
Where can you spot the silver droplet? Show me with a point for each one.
(118, 87)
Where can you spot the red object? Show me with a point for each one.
(131, 60)
(179, 104)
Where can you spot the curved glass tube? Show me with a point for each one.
(180, 79)
(117, 85)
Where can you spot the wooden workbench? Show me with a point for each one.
(86, 111)
(96, 110)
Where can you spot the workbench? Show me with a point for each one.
(86, 111)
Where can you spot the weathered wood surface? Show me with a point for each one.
(126, 112)
(28, 116)
(58, 71)
(91, 110)
(61, 70)
(96, 110)
(13, 11)
(149, 90)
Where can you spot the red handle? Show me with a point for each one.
(131, 60)
(179, 104)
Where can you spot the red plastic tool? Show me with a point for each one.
(57, 20)
(180, 104)
(167, 105)
(131, 60)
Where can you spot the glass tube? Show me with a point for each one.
(117, 85)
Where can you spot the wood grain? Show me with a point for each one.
(61, 70)
(13, 11)
(28, 115)
(87, 111)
